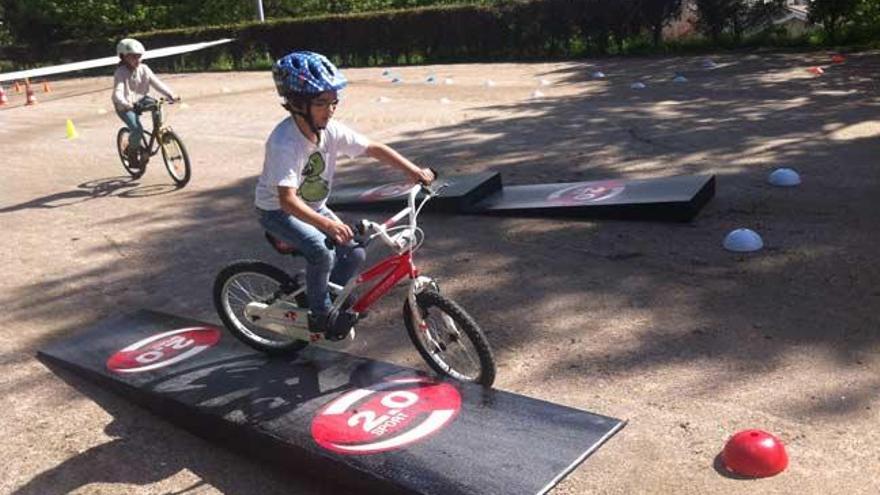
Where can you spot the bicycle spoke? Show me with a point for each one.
(462, 349)
(450, 346)
(243, 290)
(246, 291)
(238, 299)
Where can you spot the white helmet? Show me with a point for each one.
(130, 45)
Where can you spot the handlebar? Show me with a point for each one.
(148, 103)
(366, 230)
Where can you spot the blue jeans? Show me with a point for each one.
(322, 264)
(133, 122)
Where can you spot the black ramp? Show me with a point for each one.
(372, 425)
(459, 195)
(671, 198)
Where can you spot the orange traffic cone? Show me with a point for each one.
(3, 99)
(17, 88)
(29, 91)
(46, 87)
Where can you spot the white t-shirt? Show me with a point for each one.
(294, 161)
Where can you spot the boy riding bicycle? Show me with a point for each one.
(131, 84)
(298, 170)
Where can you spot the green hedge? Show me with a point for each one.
(513, 30)
(406, 36)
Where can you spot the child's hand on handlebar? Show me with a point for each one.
(339, 232)
(425, 176)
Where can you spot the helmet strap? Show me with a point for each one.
(307, 116)
(311, 121)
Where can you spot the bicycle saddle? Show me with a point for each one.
(281, 246)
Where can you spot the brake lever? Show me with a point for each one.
(435, 190)
(426, 188)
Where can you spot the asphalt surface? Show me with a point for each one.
(650, 322)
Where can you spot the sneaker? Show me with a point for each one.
(341, 326)
(135, 159)
(318, 322)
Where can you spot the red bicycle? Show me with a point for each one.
(266, 308)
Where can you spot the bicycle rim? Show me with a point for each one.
(449, 345)
(175, 157)
(122, 148)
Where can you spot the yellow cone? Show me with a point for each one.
(71, 130)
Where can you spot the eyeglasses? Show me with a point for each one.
(322, 104)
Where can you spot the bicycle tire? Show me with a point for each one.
(121, 148)
(250, 334)
(177, 164)
(429, 301)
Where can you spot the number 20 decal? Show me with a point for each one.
(163, 349)
(386, 416)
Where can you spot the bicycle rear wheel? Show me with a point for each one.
(244, 282)
(176, 158)
(449, 340)
(122, 148)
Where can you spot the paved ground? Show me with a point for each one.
(650, 322)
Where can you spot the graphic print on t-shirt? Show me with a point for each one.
(314, 187)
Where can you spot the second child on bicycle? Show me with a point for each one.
(298, 170)
(131, 85)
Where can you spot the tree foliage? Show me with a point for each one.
(656, 13)
(41, 22)
(364, 31)
(736, 17)
(832, 14)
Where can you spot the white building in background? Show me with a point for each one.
(796, 17)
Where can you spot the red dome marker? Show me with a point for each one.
(754, 453)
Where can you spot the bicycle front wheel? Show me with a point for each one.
(449, 340)
(176, 158)
(244, 282)
(122, 148)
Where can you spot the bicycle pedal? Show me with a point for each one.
(350, 335)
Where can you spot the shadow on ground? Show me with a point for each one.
(561, 285)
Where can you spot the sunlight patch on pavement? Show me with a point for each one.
(862, 130)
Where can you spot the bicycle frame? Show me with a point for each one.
(395, 267)
(285, 316)
(158, 118)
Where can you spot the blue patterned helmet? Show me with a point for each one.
(306, 73)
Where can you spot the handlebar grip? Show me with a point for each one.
(359, 229)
